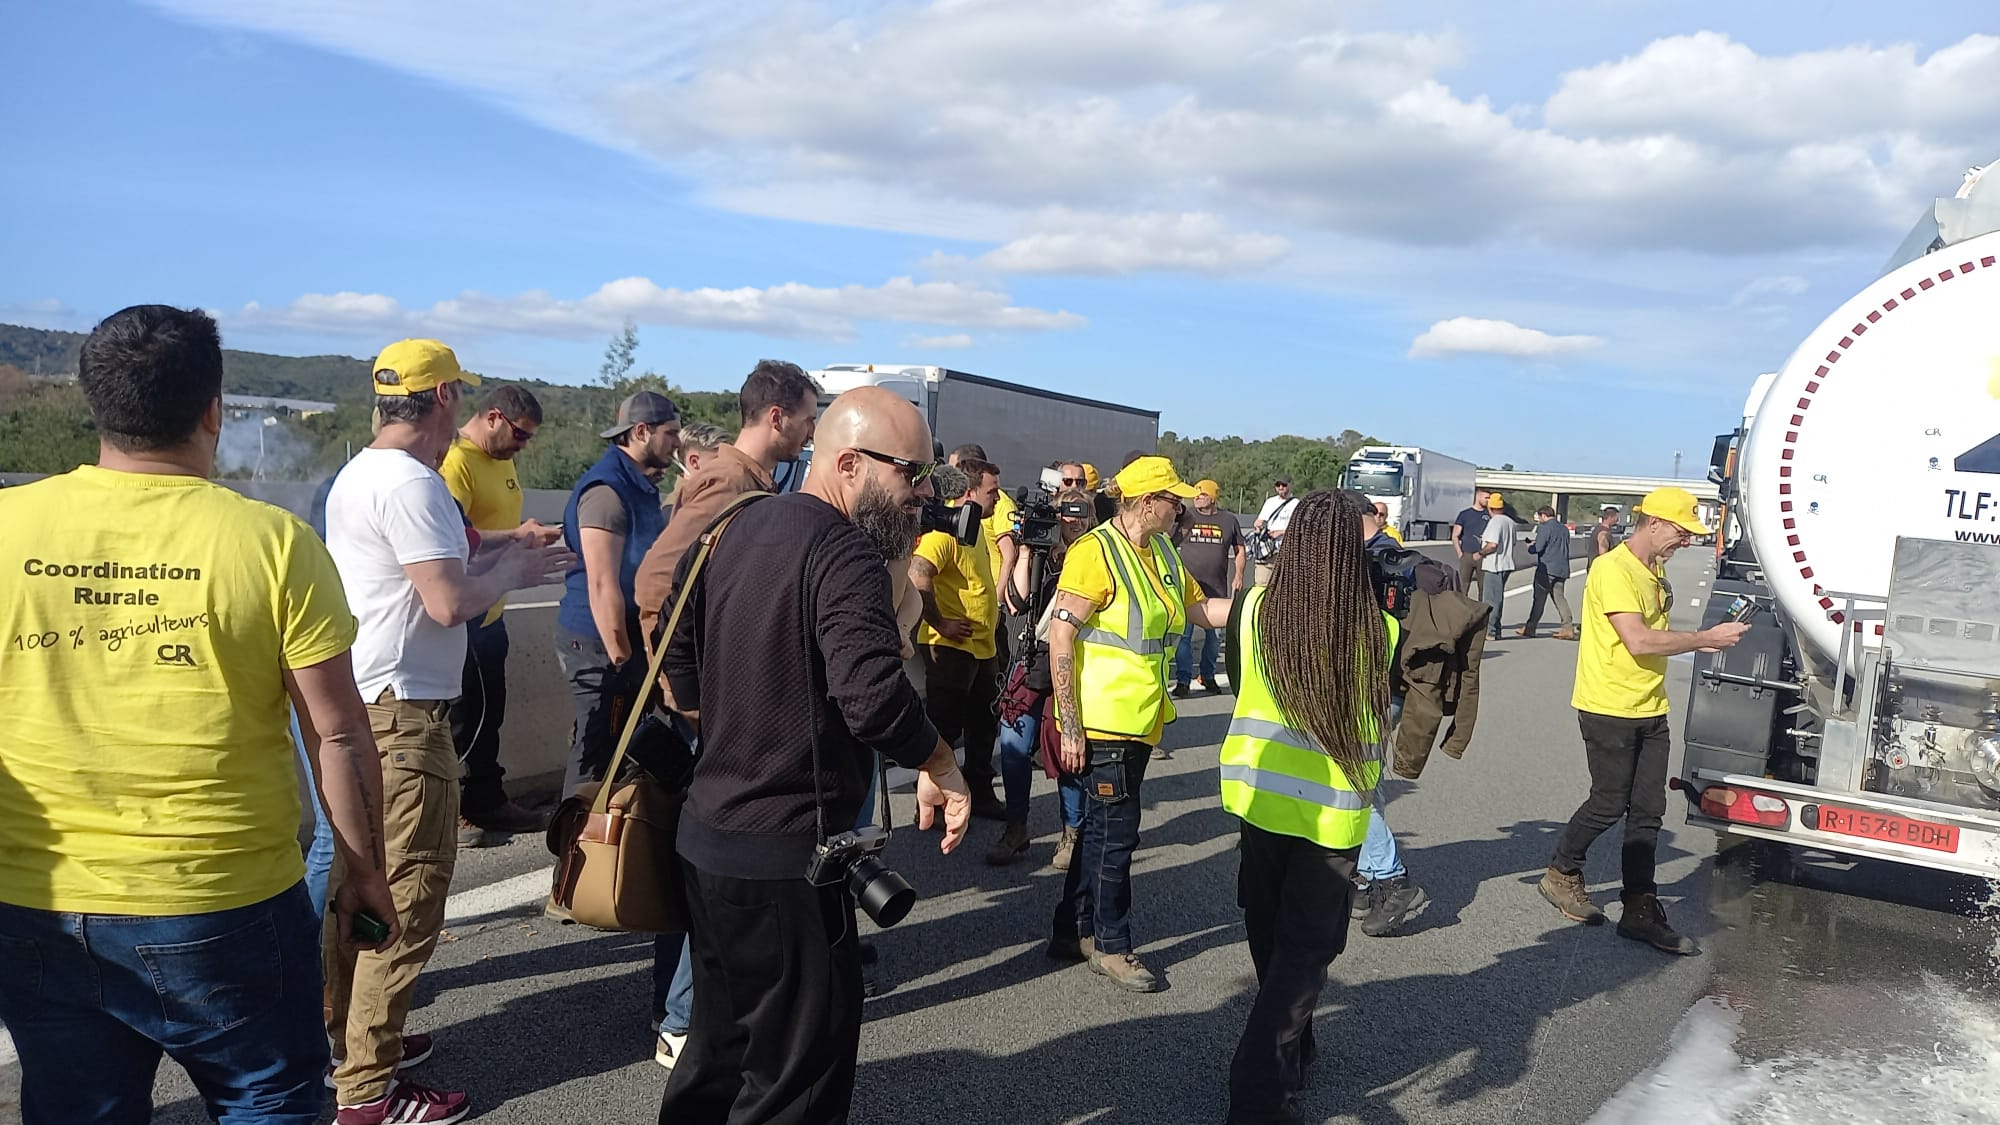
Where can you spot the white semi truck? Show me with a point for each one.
(1861, 713)
(1424, 489)
(1021, 428)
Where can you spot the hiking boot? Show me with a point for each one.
(1065, 850)
(507, 817)
(471, 835)
(985, 805)
(416, 1050)
(1011, 844)
(1162, 754)
(1181, 690)
(1076, 950)
(407, 1102)
(1566, 633)
(1364, 901)
(1391, 903)
(1644, 920)
(1126, 971)
(668, 1048)
(1568, 894)
(1210, 686)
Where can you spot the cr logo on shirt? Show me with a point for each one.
(177, 655)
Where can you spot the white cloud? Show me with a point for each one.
(1466, 335)
(790, 309)
(1767, 290)
(1075, 242)
(954, 341)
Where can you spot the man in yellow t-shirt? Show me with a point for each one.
(1621, 707)
(158, 630)
(957, 640)
(479, 471)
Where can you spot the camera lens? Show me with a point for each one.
(886, 896)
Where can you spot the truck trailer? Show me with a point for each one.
(1860, 715)
(1424, 489)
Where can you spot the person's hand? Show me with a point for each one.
(369, 890)
(540, 564)
(955, 629)
(536, 533)
(1071, 756)
(944, 789)
(1725, 635)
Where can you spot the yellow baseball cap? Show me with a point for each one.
(1493, 500)
(409, 367)
(1149, 475)
(1208, 488)
(1091, 480)
(1677, 506)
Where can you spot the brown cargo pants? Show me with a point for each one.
(369, 993)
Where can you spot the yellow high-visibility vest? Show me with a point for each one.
(1274, 775)
(1123, 650)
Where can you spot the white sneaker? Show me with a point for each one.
(668, 1050)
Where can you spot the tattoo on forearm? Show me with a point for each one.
(371, 816)
(1062, 676)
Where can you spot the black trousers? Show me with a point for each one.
(777, 1004)
(962, 697)
(1548, 587)
(1628, 778)
(476, 716)
(1295, 897)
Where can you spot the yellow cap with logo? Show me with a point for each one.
(409, 367)
(1677, 506)
(1148, 475)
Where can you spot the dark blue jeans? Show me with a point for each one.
(93, 1000)
(1184, 662)
(1097, 891)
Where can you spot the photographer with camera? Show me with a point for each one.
(790, 664)
(1046, 532)
(1122, 602)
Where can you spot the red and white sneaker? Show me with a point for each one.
(407, 1103)
(416, 1049)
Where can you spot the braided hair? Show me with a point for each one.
(1321, 641)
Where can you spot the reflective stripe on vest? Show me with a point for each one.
(1275, 776)
(1123, 650)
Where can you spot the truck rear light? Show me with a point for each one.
(1745, 806)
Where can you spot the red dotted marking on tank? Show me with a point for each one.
(1923, 285)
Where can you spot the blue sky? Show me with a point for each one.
(1565, 236)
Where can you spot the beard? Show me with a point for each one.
(889, 527)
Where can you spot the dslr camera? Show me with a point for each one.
(960, 522)
(1039, 515)
(855, 858)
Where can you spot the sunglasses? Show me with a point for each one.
(1079, 481)
(520, 435)
(916, 472)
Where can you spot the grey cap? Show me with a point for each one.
(646, 407)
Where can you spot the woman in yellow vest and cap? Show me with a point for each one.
(1310, 662)
(1121, 605)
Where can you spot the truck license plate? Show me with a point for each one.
(1891, 829)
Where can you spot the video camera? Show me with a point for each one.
(1041, 518)
(961, 522)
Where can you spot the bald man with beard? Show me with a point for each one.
(796, 643)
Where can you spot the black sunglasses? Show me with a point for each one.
(916, 472)
(1076, 480)
(520, 435)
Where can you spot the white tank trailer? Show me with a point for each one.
(1861, 713)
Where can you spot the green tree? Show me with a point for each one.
(618, 356)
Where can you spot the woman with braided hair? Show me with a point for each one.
(1310, 658)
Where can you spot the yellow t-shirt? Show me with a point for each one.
(998, 523)
(1392, 533)
(964, 590)
(487, 489)
(1609, 679)
(146, 761)
(1087, 574)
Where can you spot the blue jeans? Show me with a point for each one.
(1097, 891)
(319, 856)
(1211, 648)
(1379, 859)
(673, 982)
(1496, 597)
(1017, 761)
(92, 1000)
(1070, 790)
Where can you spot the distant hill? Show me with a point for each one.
(324, 378)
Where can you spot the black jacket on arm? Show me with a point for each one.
(740, 657)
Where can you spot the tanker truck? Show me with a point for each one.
(1860, 715)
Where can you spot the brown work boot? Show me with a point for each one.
(1568, 894)
(1644, 920)
(1566, 633)
(1126, 971)
(1012, 842)
(1065, 850)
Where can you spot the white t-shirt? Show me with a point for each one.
(1499, 530)
(1277, 513)
(386, 510)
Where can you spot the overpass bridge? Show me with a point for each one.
(1524, 490)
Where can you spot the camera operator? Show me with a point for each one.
(791, 665)
(958, 637)
(1046, 532)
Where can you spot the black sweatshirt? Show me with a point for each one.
(740, 657)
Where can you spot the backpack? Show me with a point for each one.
(1398, 573)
